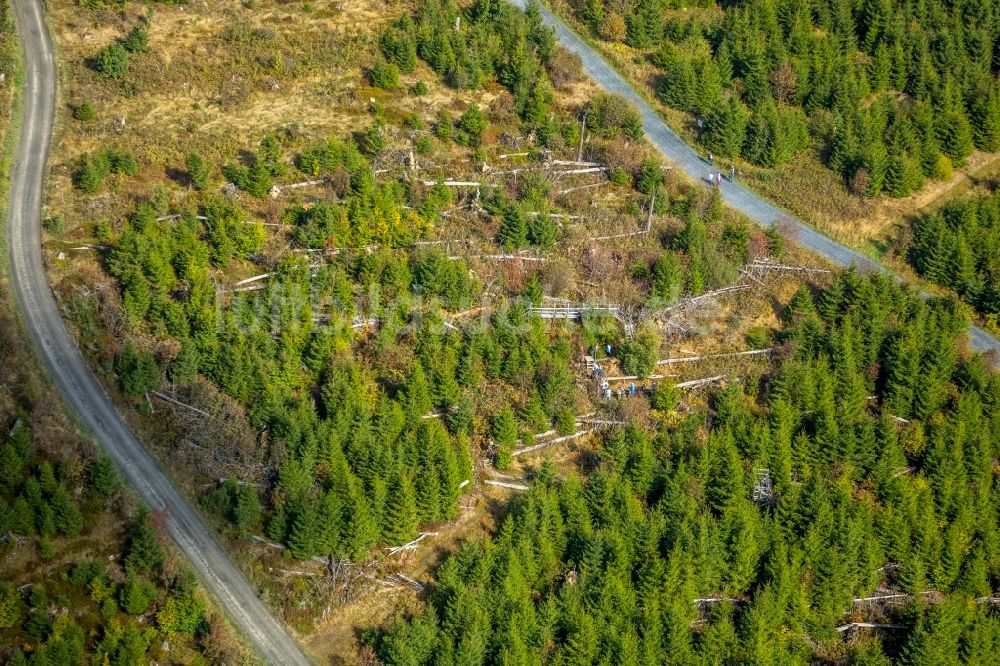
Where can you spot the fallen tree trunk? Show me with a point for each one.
(504, 484)
(557, 440)
(691, 359)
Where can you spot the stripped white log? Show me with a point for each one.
(505, 484)
(901, 596)
(629, 234)
(409, 581)
(600, 422)
(269, 544)
(464, 483)
(172, 401)
(175, 216)
(557, 440)
(697, 299)
(694, 383)
(252, 287)
(882, 597)
(452, 183)
(623, 378)
(870, 625)
(762, 264)
(500, 257)
(577, 164)
(255, 278)
(412, 544)
(269, 224)
(574, 172)
(691, 359)
(545, 434)
(304, 183)
(510, 155)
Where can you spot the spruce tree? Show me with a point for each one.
(513, 234)
(198, 171)
(541, 231)
(68, 519)
(986, 120)
(726, 128)
(304, 537)
(400, 522)
(504, 431)
(144, 554)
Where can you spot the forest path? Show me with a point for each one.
(685, 158)
(77, 383)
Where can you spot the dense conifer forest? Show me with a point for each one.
(889, 92)
(958, 246)
(879, 439)
(333, 332)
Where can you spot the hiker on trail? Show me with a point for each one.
(631, 389)
(710, 157)
(732, 174)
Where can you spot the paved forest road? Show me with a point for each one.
(71, 373)
(686, 159)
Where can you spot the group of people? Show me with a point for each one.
(715, 177)
(624, 392)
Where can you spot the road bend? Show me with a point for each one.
(694, 165)
(73, 377)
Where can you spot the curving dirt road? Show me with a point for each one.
(71, 373)
(691, 162)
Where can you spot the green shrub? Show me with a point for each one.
(384, 75)
(92, 172)
(84, 112)
(198, 171)
(137, 370)
(123, 163)
(136, 40)
(471, 126)
(54, 225)
(112, 61)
